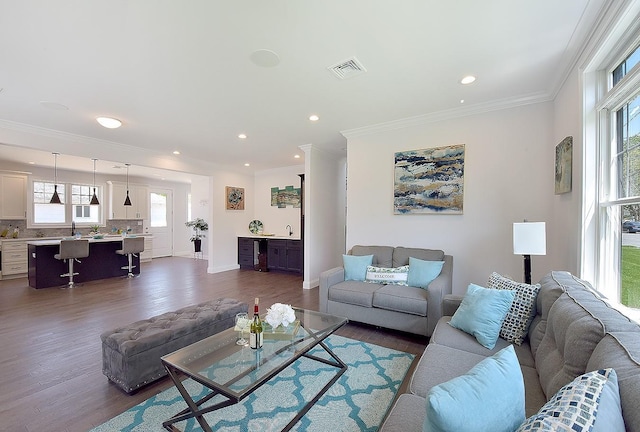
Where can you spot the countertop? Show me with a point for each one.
(31, 239)
(275, 237)
(54, 242)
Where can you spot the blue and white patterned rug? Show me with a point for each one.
(358, 401)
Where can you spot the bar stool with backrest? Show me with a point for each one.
(130, 247)
(70, 251)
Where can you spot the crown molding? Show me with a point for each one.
(449, 114)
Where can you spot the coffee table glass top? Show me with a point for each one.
(235, 370)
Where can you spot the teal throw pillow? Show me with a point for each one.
(355, 266)
(481, 313)
(422, 273)
(490, 397)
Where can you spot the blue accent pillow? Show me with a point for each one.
(422, 273)
(490, 397)
(355, 266)
(481, 313)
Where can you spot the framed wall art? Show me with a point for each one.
(429, 181)
(564, 160)
(234, 198)
(283, 197)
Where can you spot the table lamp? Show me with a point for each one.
(529, 238)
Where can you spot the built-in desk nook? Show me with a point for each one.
(103, 262)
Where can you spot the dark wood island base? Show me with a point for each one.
(103, 262)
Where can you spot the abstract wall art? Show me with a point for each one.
(429, 181)
(564, 158)
(234, 198)
(283, 197)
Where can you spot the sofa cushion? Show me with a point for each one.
(401, 255)
(481, 313)
(405, 299)
(578, 320)
(386, 275)
(382, 255)
(422, 273)
(353, 292)
(445, 334)
(621, 351)
(516, 323)
(488, 397)
(440, 364)
(573, 408)
(355, 267)
(408, 414)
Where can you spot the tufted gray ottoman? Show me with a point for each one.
(131, 354)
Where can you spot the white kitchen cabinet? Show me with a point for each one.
(14, 258)
(139, 196)
(13, 196)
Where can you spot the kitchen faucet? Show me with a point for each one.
(290, 230)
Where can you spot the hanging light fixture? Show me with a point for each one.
(55, 199)
(127, 200)
(94, 198)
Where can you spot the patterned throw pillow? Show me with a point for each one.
(523, 309)
(573, 409)
(385, 275)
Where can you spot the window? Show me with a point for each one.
(43, 212)
(77, 209)
(158, 210)
(619, 203)
(81, 210)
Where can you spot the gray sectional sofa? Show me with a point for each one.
(406, 308)
(574, 331)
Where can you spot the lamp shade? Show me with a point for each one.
(529, 238)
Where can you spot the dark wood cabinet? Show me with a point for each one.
(270, 254)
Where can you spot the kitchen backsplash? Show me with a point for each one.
(115, 226)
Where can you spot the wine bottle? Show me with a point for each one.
(255, 335)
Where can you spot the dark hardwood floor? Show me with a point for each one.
(50, 350)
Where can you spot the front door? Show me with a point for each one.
(161, 223)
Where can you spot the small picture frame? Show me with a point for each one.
(234, 198)
(564, 160)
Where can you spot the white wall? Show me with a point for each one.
(273, 218)
(509, 177)
(227, 225)
(324, 213)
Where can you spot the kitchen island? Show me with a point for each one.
(103, 262)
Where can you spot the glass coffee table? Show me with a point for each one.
(234, 372)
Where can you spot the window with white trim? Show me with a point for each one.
(76, 209)
(619, 203)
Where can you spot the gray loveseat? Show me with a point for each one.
(405, 308)
(574, 331)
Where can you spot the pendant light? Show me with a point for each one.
(55, 199)
(127, 200)
(94, 198)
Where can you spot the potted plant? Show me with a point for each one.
(198, 226)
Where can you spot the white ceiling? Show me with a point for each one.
(179, 74)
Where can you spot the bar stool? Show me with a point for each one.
(130, 247)
(70, 251)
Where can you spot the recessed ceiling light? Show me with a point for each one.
(32, 163)
(461, 100)
(242, 136)
(247, 164)
(176, 152)
(314, 117)
(297, 156)
(109, 123)
(468, 79)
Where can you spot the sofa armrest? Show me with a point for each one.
(437, 289)
(328, 279)
(450, 304)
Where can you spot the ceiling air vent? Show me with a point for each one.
(347, 68)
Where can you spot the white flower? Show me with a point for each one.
(279, 314)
